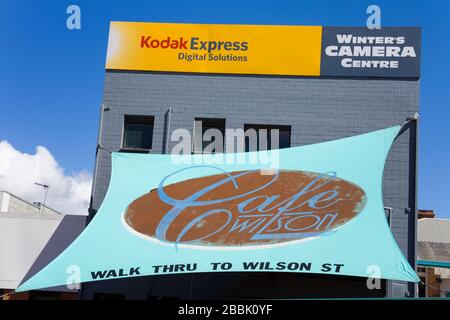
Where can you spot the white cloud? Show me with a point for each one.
(68, 193)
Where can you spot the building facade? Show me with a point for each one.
(433, 259)
(307, 109)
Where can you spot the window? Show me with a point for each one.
(138, 133)
(422, 288)
(421, 270)
(255, 132)
(209, 135)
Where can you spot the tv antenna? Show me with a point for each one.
(46, 187)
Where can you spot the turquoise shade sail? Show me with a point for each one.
(312, 209)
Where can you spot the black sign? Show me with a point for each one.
(361, 52)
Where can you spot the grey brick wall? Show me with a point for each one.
(318, 109)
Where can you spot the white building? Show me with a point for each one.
(31, 235)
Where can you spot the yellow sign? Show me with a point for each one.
(240, 49)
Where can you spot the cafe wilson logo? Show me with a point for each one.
(242, 208)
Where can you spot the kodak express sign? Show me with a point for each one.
(214, 48)
(274, 50)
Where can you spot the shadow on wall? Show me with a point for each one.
(67, 231)
(232, 285)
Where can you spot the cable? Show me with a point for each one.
(437, 289)
(100, 147)
(414, 117)
(7, 294)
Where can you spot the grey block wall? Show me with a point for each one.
(317, 109)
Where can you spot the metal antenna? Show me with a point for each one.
(46, 187)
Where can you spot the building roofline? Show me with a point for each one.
(31, 203)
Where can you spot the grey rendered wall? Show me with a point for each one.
(318, 110)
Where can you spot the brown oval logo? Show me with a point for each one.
(245, 208)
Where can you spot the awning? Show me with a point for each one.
(435, 264)
(315, 208)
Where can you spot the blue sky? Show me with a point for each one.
(51, 79)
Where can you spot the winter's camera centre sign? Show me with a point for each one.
(351, 48)
(387, 52)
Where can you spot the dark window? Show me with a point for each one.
(44, 295)
(421, 269)
(422, 288)
(264, 132)
(206, 131)
(108, 296)
(163, 298)
(138, 133)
